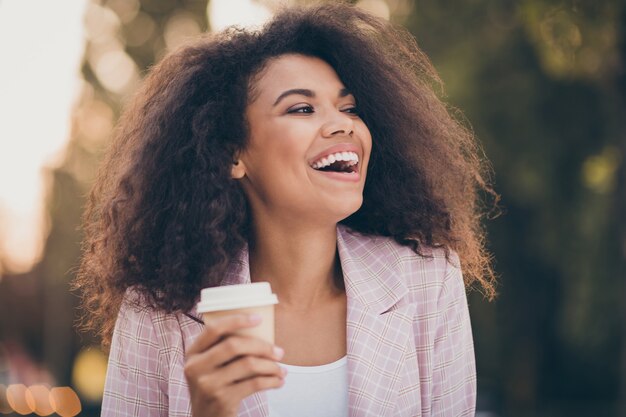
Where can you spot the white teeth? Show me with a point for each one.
(327, 160)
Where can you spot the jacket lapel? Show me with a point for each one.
(254, 405)
(381, 357)
(378, 359)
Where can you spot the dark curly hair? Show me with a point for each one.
(164, 216)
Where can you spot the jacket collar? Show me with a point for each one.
(369, 272)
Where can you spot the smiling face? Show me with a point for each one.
(308, 150)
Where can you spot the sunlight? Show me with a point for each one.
(246, 13)
(38, 85)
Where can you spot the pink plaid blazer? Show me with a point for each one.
(410, 349)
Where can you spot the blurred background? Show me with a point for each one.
(541, 82)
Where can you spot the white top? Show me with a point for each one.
(312, 391)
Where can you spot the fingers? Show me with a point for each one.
(248, 387)
(248, 367)
(236, 346)
(217, 328)
(229, 396)
(239, 372)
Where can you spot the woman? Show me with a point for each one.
(314, 155)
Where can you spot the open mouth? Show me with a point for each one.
(342, 162)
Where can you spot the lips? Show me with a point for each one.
(341, 155)
(340, 162)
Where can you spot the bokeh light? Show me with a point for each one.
(101, 23)
(65, 402)
(126, 10)
(179, 28)
(16, 397)
(572, 41)
(247, 13)
(378, 8)
(599, 171)
(400, 9)
(95, 122)
(38, 399)
(89, 373)
(116, 71)
(139, 30)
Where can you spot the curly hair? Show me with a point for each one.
(165, 217)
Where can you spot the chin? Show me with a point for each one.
(346, 209)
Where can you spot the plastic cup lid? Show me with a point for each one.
(230, 297)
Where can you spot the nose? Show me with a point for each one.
(339, 123)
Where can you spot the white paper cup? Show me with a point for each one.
(254, 298)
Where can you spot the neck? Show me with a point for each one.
(301, 264)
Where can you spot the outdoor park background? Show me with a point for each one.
(543, 85)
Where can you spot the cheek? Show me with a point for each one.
(277, 150)
(287, 143)
(366, 142)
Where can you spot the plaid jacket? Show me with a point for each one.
(410, 349)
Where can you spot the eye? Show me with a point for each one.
(301, 109)
(351, 110)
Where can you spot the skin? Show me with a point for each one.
(300, 110)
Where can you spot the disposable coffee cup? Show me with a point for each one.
(254, 298)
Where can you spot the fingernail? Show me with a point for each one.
(254, 318)
(284, 371)
(278, 352)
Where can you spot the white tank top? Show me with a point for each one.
(312, 391)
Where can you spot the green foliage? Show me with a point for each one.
(538, 80)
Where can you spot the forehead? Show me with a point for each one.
(295, 71)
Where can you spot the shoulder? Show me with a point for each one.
(145, 371)
(430, 265)
(427, 276)
(139, 323)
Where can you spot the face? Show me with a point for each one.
(308, 149)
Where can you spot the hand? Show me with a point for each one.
(222, 368)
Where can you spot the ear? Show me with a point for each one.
(238, 170)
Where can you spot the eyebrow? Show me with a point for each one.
(307, 93)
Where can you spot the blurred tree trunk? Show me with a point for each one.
(621, 216)
(61, 254)
(621, 200)
(621, 226)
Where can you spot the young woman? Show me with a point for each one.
(314, 155)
